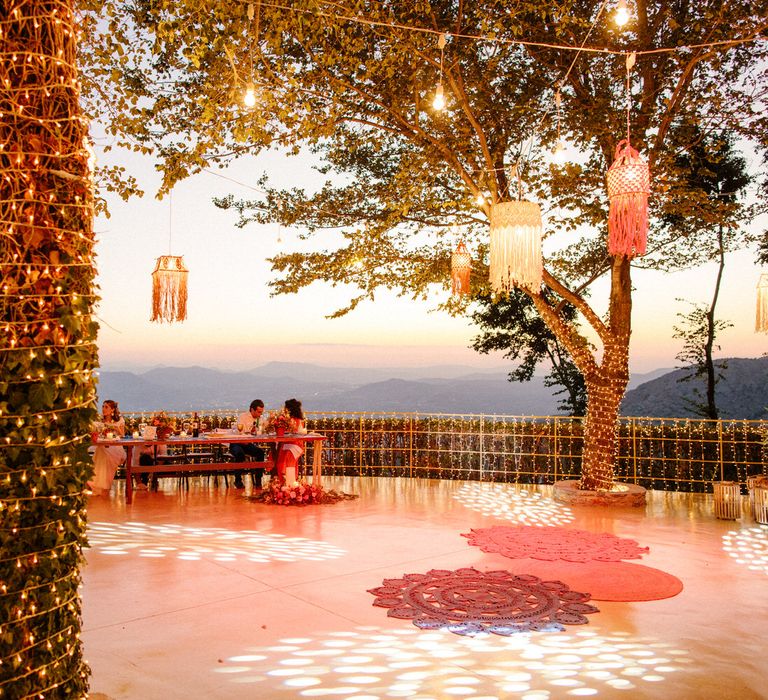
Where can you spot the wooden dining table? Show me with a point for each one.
(185, 462)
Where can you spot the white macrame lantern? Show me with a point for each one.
(516, 230)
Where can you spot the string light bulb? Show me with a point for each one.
(438, 103)
(249, 98)
(622, 13)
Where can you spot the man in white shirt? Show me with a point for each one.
(254, 415)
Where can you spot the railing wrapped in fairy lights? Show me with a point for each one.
(672, 454)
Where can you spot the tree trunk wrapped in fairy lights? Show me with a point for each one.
(47, 350)
(606, 380)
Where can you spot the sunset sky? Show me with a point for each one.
(234, 324)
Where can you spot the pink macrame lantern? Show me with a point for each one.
(629, 184)
(516, 230)
(461, 267)
(761, 320)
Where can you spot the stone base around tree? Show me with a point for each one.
(628, 495)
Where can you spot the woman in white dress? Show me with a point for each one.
(107, 458)
(290, 452)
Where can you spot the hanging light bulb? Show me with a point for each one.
(622, 13)
(249, 98)
(439, 102)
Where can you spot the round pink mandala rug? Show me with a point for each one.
(467, 601)
(554, 543)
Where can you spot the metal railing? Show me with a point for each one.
(679, 454)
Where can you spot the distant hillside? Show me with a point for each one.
(742, 393)
(438, 389)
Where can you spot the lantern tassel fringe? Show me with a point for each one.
(761, 320)
(628, 224)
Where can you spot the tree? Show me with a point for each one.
(47, 353)
(511, 324)
(353, 81)
(762, 253)
(717, 176)
(698, 330)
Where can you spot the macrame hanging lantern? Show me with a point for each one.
(629, 184)
(516, 230)
(169, 289)
(461, 267)
(761, 321)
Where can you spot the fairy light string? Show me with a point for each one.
(47, 352)
(392, 25)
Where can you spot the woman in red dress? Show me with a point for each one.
(290, 452)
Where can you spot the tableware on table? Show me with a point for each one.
(150, 432)
(136, 434)
(240, 427)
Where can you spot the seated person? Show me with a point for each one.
(146, 454)
(107, 458)
(290, 452)
(252, 421)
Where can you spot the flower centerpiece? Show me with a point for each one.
(296, 494)
(279, 422)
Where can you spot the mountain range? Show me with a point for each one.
(437, 389)
(741, 393)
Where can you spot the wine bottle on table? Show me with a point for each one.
(195, 425)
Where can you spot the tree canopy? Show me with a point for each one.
(353, 82)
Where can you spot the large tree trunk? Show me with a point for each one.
(600, 438)
(606, 384)
(47, 350)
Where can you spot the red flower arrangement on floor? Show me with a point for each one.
(296, 494)
(299, 493)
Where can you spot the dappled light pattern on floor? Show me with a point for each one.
(749, 547)
(193, 543)
(369, 663)
(519, 506)
(554, 543)
(467, 601)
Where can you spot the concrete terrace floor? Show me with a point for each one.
(201, 593)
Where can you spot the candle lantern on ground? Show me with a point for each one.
(169, 289)
(727, 500)
(515, 246)
(629, 184)
(461, 267)
(760, 507)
